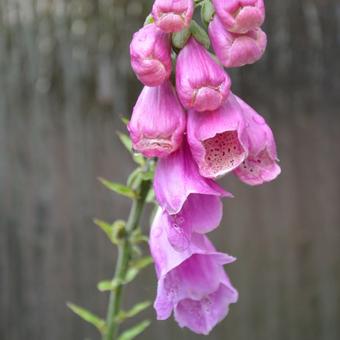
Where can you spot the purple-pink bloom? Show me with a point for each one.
(172, 15)
(150, 52)
(158, 121)
(193, 218)
(217, 139)
(233, 49)
(191, 283)
(177, 177)
(202, 84)
(240, 16)
(261, 164)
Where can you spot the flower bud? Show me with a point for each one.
(172, 15)
(234, 50)
(240, 16)
(261, 164)
(150, 52)
(217, 139)
(202, 84)
(158, 121)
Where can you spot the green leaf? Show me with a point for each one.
(138, 158)
(118, 188)
(107, 285)
(142, 263)
(126, 141)
(133, 311)
(207, 12)
(106, 227)
(125, 120)
(200, 34)
(88, 317)
(137, 237)
(150, 198)
(179, 39)
(134, 177)
(135, 331)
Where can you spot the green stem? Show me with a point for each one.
(122, 265)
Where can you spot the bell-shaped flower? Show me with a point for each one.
(172, 15)
(233, 49)
(217, 139)
(199, 214)
(202, 84)
(158, 121)
(240, 16)
(192, 283)
(261, 164)
(177, 177)
(150, 52)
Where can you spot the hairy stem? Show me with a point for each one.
(122, 265)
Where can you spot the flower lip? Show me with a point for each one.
(217, 139)
(155, 146)
(223, 153)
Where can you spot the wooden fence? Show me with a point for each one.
(64, 80)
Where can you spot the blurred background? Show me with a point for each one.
(64, 80)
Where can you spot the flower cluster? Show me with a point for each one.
(200, 131)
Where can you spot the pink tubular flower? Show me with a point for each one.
(201, 83)
(158, 121)
(261, 165)
(192, 283)
(193, 218)
(177, 177)
(217, 139)
(172, 15)
(234, 50)
(150, 52)
(240, 16)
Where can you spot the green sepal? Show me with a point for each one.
(135, 310)
(179, 39)
(207, 12)
(135, 331)
(149, 20)
(118, 188)
(89, 317)
(200, 34)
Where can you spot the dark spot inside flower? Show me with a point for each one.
(224, 153)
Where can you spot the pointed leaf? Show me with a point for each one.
(108, 285)
(135, 331)
(126, 141)
(139, 159)
(106, 227)
(138, 308)
(134, 177)
(138, 237)
(124, 119)
(142, 263)
(150, 198)
(118, 188)
(88, 316)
